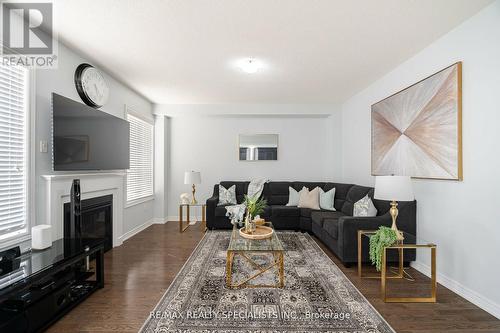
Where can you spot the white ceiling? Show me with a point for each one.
(316, 51)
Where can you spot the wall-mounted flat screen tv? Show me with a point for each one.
(84, 138)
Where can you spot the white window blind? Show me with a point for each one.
(13, 151)
(140, 174)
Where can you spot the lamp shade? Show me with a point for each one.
(397, 188)
(192, 177)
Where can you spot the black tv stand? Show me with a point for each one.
(43, 286)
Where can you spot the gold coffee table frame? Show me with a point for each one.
(243, 247)
(278, 262)
(401, 272)
(183, 228)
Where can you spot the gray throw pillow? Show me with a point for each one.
(294, 196)
(227, 196)
(364, 207)
(327, 199)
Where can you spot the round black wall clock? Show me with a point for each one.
(91, 85)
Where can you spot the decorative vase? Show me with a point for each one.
(184, 198)
(249, 224)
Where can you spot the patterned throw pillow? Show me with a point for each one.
(227, 196)
(364, 207)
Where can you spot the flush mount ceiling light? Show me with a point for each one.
(250, 65)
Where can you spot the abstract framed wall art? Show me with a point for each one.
(417, 131)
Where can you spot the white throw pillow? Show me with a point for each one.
(364, 207)
(309, 199)
(227, 196)
(293, 196)
(327, 199)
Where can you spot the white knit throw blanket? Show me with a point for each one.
(237, 212)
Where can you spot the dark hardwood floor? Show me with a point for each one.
(140, 271)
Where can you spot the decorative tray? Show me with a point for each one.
(261, 232)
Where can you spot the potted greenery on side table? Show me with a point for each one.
(382, 238)
(254, 206)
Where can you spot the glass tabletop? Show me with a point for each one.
(408, 238)
(198, 204)
(239, 243)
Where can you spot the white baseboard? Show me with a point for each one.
(136, 230)
(160, 220)
(192, 222)
(192, 217)
(467, 293)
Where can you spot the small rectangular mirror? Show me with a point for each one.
(258, 147)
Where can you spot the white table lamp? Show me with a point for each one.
(394, 188)
(192, 178)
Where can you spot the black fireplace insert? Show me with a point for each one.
(96, 219)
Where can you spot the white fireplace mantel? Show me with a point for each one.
(57, 193)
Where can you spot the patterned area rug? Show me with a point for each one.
(317, 296)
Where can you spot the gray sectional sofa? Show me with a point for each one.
(336, 229)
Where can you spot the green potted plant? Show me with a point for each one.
(255, 206)
(384, 237)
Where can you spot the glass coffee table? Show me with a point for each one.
(244, 248)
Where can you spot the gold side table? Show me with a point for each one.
(400, 247)
(398, 275)
(203, 221)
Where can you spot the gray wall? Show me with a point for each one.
(61, 81)
(162, 125)
(204, 138)
(460, 217)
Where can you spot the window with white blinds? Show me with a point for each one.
(140, 174)
(13, 151)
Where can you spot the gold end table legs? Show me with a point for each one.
(400, 269)
(203, 221)
(433, 285)
(400, 274)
